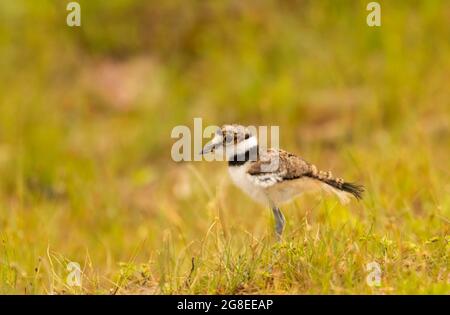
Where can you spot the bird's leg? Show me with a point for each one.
(279, 221)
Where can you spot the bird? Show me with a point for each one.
(273, 177)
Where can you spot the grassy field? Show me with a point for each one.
(86, 174)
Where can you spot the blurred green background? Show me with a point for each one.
(85, 120)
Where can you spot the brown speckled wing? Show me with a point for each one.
(265, 172)
(275, 166)
(289, 165)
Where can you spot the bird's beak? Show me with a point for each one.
(214, 144)
(209, 147)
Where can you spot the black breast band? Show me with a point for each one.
(240, 159)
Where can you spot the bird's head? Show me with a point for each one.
(232, 138)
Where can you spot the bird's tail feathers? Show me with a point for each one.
(337, 185)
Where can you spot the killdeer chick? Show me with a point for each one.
(273, 177)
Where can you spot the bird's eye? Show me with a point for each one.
(246, 136)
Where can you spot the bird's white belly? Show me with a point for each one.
(287, 190)
(240, 178)
(275, 194)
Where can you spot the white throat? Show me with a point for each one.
(242, 147)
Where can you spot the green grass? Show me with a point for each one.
(85, 168)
